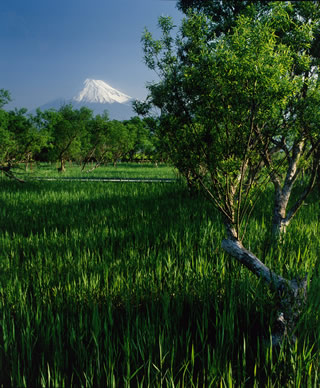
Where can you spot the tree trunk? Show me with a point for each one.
(93, 167)
(291, 293)
(282, 216)
(7, 171)
(283, 192)
(28, 165)
(87, 159)
(279, 221)
(62, 167)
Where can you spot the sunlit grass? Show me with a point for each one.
(121, 170)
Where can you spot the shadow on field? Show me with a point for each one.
(61, 207)
(184, 338)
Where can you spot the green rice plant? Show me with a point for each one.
(105, 284)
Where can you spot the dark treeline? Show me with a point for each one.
(70, 134)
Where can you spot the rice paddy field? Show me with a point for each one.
(124, 284)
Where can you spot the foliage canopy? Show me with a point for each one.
(232, 103)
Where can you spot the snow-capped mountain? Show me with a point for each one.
(97, 91)
(98, 96)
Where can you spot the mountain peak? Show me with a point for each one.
(97, 91)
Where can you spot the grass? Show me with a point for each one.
(108, 285)
(122, 170)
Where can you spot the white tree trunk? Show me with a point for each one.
(280, 222)
(282, 193)
(292, 293)
(235, 248)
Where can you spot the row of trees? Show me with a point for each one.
(71, 135)
(239, 96)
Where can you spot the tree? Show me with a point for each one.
(68, 133)
(5, 97)
(20, 138)
(96, 148)
(140, 135)
(223, 13)
(118, 142)
(238, 109)
(28, 138)
(107, 141)
(6, 141)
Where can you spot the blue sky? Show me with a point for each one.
(49, 47)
